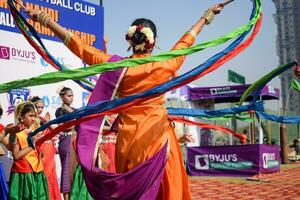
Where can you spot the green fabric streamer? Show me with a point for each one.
(22, 26)
(259, 82)
(28, 186)
(226, 117)
(54, 77)
(295, 85)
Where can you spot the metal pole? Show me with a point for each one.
(298, 135)
(252, 128)
(261, 134)
(101, 2)
(284, 144)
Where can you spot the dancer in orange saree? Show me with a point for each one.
(143, 128)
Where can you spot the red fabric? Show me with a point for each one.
(21, 166)
(1, 128)
(110, 150)
(47, 150)
(242, 137)
(220, 62)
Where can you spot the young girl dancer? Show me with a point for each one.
(27, 180)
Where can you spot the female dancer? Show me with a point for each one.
(27, 180)
(65, 149)
(143, 128)
(47, 151)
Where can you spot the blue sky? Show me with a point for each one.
(174, 17)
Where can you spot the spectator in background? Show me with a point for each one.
(47, 151)
(296, 146)
(65, 149)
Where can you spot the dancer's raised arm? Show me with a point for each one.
(87, 53)
(206, 18)
(44, 19)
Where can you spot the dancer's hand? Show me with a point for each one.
(47, 117)
(186, 138)
(2, 135)
(217, 8)
(12, 129)
(32, 14)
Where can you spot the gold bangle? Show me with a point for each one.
(68, 38)
(40, 15)
(46, 20)
(43, 18)
(208, 16)
(192, 32)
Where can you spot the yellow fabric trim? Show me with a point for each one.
(32, 157)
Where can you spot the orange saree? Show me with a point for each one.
(144, 128)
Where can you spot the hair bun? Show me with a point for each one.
(59, 89)
(138, 38)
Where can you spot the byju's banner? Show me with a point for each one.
(239, 160)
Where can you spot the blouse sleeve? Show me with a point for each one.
(87, 53)
(59, 112)
(186, 40)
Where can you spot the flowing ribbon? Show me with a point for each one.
(295, 85)
(171, 111)
(226, 117)
(215, 113)
(243, 138)
(35, 41)
(54, 77)
(279, 119)
(111, 107)
(258, 85)
(256, 88)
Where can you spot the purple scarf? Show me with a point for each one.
(143, 181)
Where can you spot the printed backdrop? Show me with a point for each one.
(19, 60)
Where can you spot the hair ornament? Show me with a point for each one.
(149, 42)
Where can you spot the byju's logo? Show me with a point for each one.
(11, 53)
(201, 162)
(269, 160)
(4, 52)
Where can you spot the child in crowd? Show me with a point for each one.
(66, 152)
(47, 151)
(27, 180)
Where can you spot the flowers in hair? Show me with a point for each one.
(149, 42)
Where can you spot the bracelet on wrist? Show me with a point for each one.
(192, 32)
(208, 16)
(43, 18)
(68, 38)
